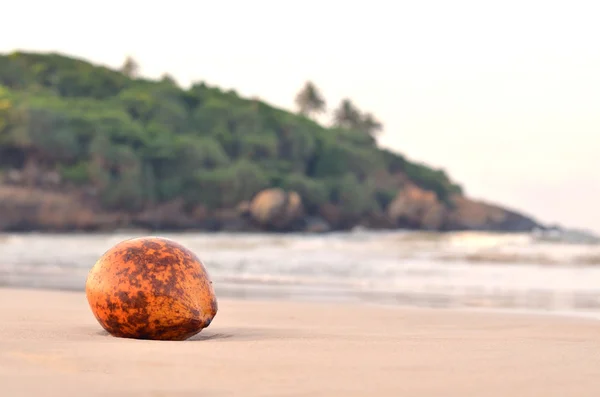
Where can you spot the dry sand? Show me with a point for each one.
(50, 345)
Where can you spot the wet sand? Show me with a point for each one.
(50, 345)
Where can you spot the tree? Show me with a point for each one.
(134, 145)
(167, 78)
(309, 100)
(130, 67)
(370, 125)
(347, 115)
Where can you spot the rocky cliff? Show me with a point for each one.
(52, 210)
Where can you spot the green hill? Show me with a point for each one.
(130, 145)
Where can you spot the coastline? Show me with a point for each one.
(285, 348)
(469, 270)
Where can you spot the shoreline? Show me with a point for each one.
(375, 305)
(565, 305)
(265, 348)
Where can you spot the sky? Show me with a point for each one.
(505, 96)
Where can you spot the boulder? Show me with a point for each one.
(276, 209)
(415, 208)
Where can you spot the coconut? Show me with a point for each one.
(151, 288)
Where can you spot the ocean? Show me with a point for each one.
(463, 270)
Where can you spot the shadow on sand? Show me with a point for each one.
(228, 334)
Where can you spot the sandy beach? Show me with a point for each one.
(50, 345)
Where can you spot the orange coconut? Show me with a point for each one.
(151, 288)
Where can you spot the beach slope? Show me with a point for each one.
(50, 345)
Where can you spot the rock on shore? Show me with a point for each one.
(38, 209)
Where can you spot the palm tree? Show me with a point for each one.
(309, 100)
(347, 115)
(370, 124)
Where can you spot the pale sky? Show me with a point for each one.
(504, 95)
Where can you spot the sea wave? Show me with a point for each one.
(461, 270)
